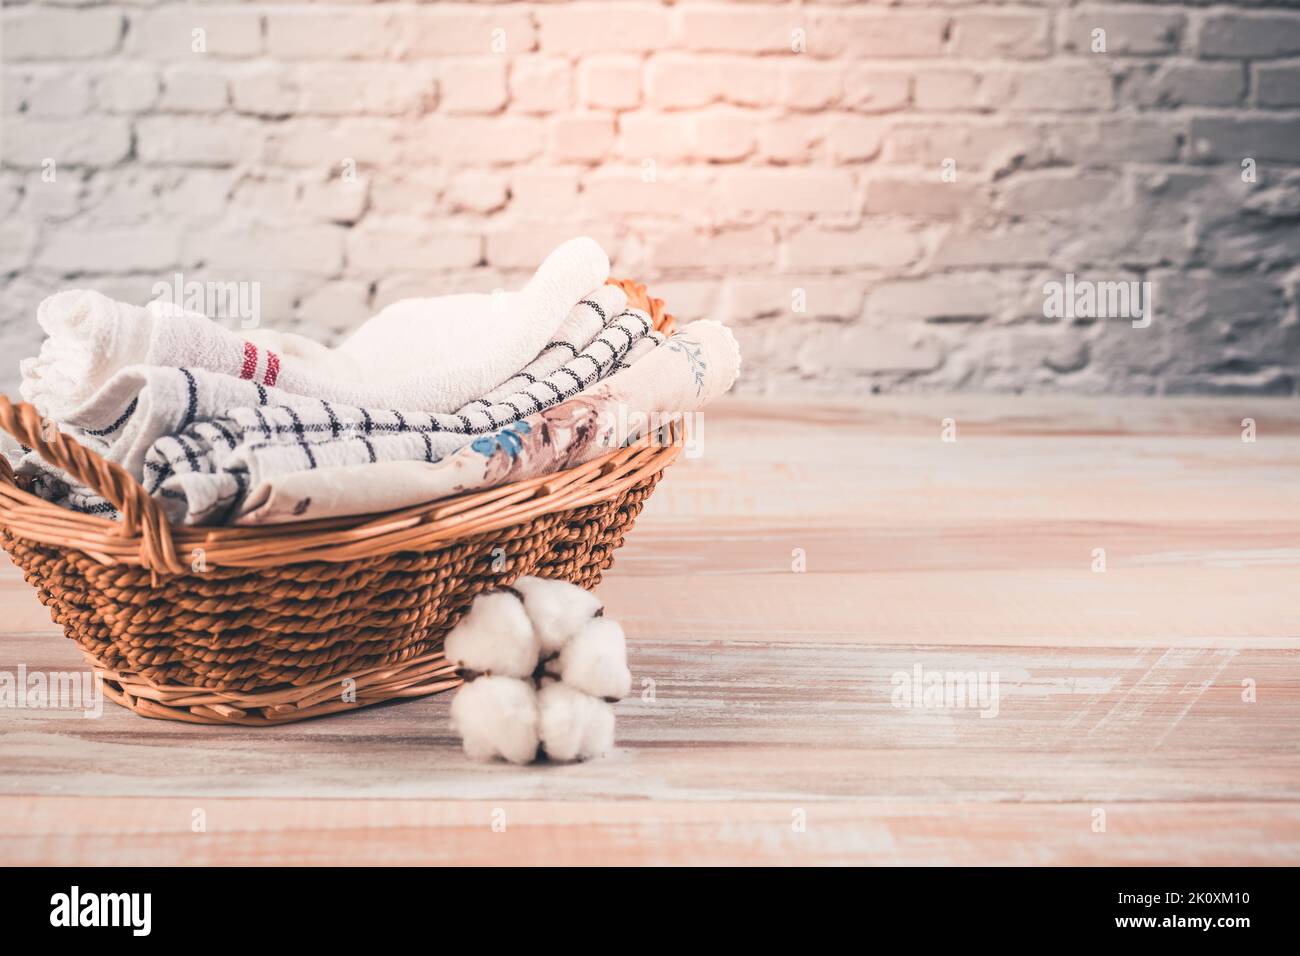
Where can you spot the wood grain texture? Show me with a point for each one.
(1164, 691)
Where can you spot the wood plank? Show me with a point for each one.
(152, 831)
(752, 720)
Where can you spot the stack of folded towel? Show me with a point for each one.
(429, 398)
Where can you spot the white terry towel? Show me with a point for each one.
(432, 354)
(200, 440)
(694, 366)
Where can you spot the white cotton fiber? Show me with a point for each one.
(595, 661)
(495, 637)
(557, 609)
(497, 717)
(574, 725)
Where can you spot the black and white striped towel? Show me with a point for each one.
(228, 435)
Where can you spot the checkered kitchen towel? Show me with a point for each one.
(199, 440)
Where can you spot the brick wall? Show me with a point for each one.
(873, 195)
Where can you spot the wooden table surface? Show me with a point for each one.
(1147, 713)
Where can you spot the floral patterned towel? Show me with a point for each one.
(678, 379)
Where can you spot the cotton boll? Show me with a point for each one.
(574, 725)
(595, 661)
(495, 637)
(497, 717)
(557, 609)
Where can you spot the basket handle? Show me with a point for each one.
(639, 298)
(141, 516)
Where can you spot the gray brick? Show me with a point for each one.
(1185, 84)
(1277, 84)
(1252, 37)
(1218, 138)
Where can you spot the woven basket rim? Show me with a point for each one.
(145, 538)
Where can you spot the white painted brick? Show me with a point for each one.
(725, 134)
(691, 298)
(149, 249)
(127, 89)
(266, 90)
(793, 139)
(1127, 31)
(982, 248)
(473, 85)
(194, 33)
(47, 92)
(141, 195)
(682, 81)
(44, 200)
(831, 250)
(542, 192)
(883, 34)
(33, 33)
(853, 138)
(198, 142)
(399, 32)
(875, 90)
(436, 31)
(834, 350)
(475, 140)
(342, 304)
(366, 89)
(948, 90)
(274, 196)
(1054, 88)
(934, 299)
(79, 141)
(739, 29)
(307, 142)
(17, 243)
(580, 137)
(748, 81)
(811, 85)
(1187, 84)
(1031, 193)
(745, 248)
(589, 28)
(818, 297)
(789, 191)
(304, 34)
(1006, 34)
(410, 245)
(541, 84)
(190, 89)
(660, 136)
(477, 191)
(334, 199)
(315, 250)
(409, 193)
(614, 191)
(1113, 142)
(610, 82)
(925, 196)
(978, 147)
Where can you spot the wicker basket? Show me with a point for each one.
(273, 624)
